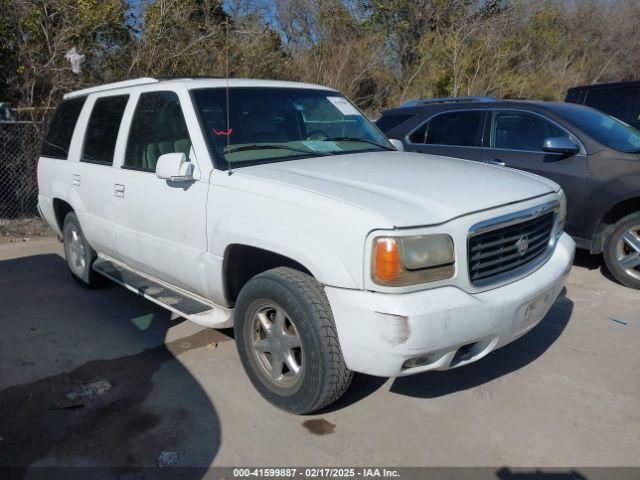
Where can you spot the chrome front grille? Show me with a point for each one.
(504, 250)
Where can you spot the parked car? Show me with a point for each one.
(620, 100)
(594, 157)
(290, 216)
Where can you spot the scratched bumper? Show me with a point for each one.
(379, 332)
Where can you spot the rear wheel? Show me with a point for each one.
(622, 251)
(79, 254)
(287, 341)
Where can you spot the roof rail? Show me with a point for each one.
(111, 86)
(428, 101)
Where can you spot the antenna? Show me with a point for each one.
(227, 93)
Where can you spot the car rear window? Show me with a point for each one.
(390, 121)
(56, 142)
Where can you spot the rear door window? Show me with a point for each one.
(103, 128)
(58, 138)
(158, 127)
(389, 121)
(522, 131)
(459, 128)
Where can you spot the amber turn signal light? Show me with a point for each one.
(386, 261)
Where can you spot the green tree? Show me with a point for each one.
(41, 33)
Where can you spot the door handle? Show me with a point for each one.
(495, 161)
(76, 179)
(118, 190)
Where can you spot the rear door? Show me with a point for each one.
(161, 224)
(515, 139)
(93, 174)
(451, 134)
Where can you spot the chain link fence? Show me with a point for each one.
(20, 143)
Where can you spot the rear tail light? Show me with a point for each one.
(36, 172)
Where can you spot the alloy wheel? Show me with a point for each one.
(276, 345)
(75, 251)
(628, 252)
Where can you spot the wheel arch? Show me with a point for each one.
(331, 261)
(617, 211)
(60, 209)
(242, 262)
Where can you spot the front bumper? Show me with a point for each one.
(445, 326)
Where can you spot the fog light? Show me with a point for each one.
(416, 362)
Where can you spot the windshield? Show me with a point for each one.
(278, 124)
(607, 130)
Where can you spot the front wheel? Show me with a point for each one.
(287, 341)
(622, 251)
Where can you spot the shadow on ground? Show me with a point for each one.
(86, 377)
(503, 361)
(584, 259)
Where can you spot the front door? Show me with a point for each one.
(161, 224)
(515, 140)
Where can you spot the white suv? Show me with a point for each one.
(279, 209)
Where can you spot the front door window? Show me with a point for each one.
(522, 131)
(158, 127)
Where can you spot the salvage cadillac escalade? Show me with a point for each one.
(279, 209)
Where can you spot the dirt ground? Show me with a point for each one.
(105, 378)
(23, 229)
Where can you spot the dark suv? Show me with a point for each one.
(621, 99)
(593, 156)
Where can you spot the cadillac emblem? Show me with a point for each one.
(522, 245)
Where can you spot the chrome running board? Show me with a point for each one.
(185, 304)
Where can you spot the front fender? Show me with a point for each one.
(304, 247)
(604, 200)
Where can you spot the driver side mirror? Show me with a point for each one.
(397, 144)
(174, 167)
(562, 145)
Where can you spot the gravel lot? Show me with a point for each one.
(103, 377)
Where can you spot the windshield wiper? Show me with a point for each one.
(271, 146)
(355, 139)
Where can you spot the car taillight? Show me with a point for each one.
(36, 179)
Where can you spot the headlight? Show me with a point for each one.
(562, 215)
(400, 261)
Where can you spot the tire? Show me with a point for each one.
(622, 251)
(287, 312)
(79, 254)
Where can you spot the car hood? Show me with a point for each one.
(406, 189)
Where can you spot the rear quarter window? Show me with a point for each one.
(58, 138)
